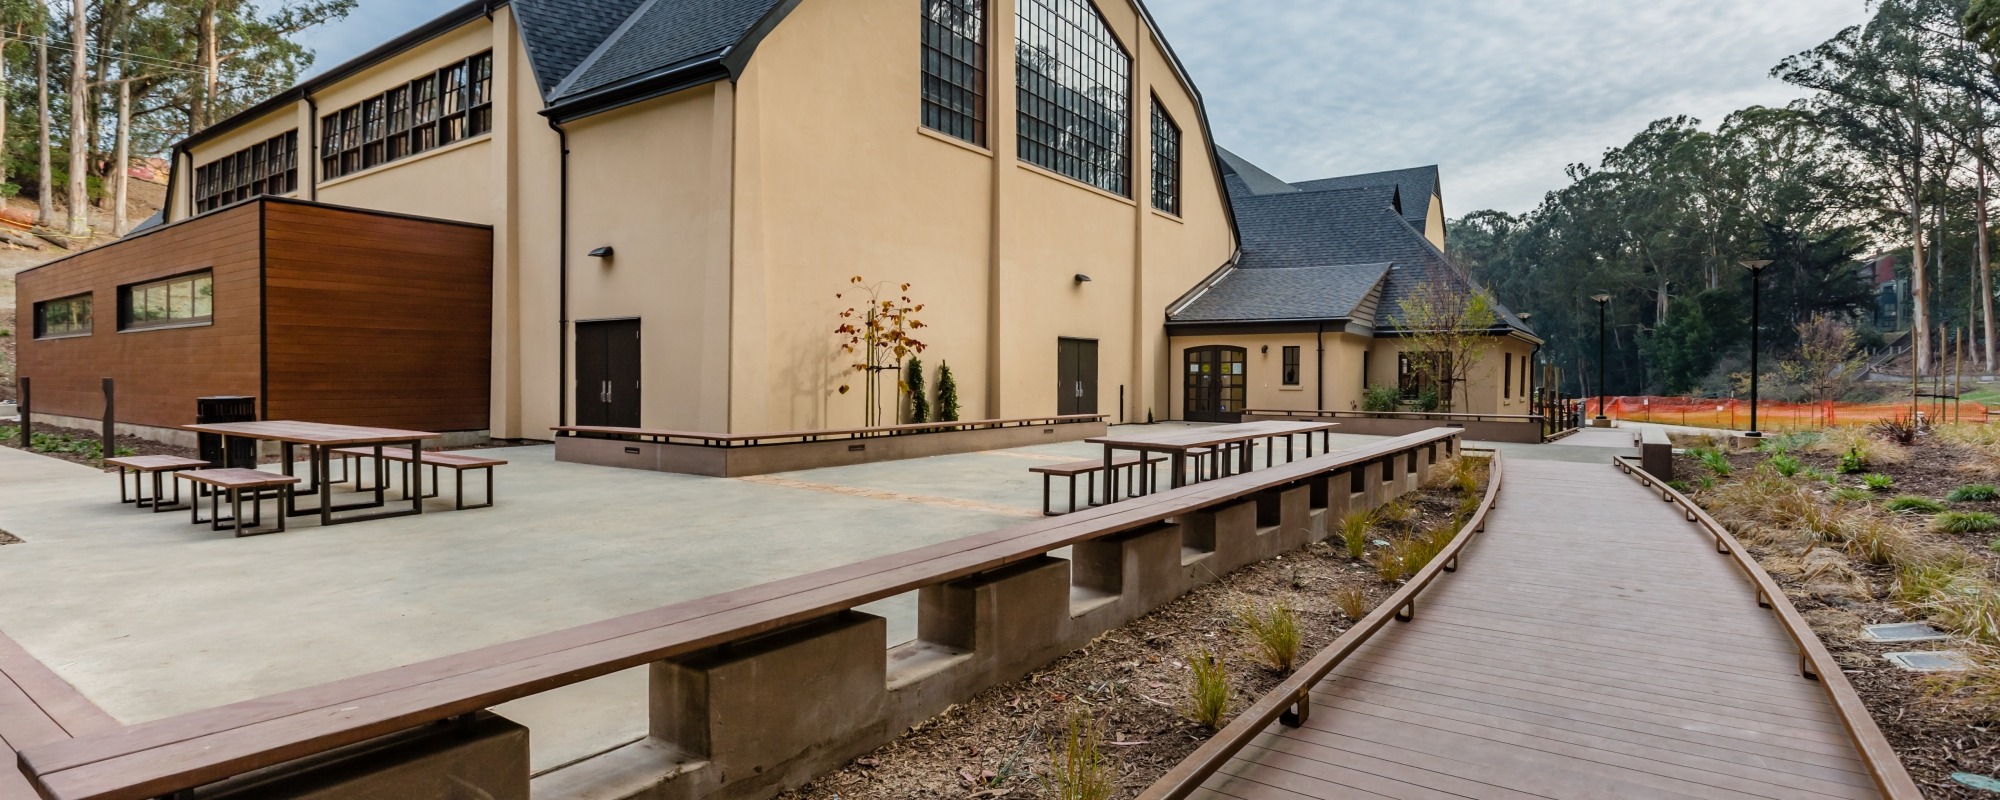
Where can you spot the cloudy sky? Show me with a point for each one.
(1501, 93)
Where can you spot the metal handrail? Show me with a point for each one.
(1815, 663)
(1290, 702)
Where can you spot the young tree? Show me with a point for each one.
(920, 402)
(947, 404)
(45, 213)
(880, 331)
(1827, 363)
(1447, 326)
(79, 115)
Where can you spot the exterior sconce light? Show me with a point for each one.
(602, 252)
(1265, 351)
(1082, 278)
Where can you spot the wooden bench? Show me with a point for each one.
(157, 467)
(1139, 478)
(235, 482)
(458, 463)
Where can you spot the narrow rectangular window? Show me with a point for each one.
(1291, 365)
(423, 126)
(954, 68)
(398, 101)
(65, 316)
(374, 131)
(1074, 94)
(1507, 382)
(451, 125)
(180, 300)
(480, 115)
(1166, 161)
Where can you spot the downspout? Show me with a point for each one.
(562, 280)
(1319, 368)
(312, 147)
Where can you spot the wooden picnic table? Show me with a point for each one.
(1177, 442)
(320, 440)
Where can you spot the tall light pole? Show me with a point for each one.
(1602, 421)
(1756, 267)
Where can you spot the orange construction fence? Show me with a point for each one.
(1732, 414)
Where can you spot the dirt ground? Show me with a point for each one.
(1132, 681)
(1934, 735)
(144, 199)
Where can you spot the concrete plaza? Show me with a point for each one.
(150, 616)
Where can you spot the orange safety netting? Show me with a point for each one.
(1735, 414)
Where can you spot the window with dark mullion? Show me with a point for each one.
(423, 129)
(954, 66)
(399, 122)
(1074, 94)
(1166, 161)
(374, 132)
(267, 167)
(479, 117)
(1291, 373)
(447, 105)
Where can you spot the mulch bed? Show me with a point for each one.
(1132, 680)
(1934, 737)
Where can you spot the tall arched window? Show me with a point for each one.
(1075, 94)
(954, 53)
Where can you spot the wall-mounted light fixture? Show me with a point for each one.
(1265, 351)
(1082, 278)
(602, 252)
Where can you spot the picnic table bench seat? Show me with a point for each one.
(458, 462)
(1137, 468)
(158, 467)
(236, 482)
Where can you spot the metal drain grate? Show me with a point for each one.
(1904, 632)
(1931, 661)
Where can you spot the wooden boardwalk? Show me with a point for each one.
(1591, 645)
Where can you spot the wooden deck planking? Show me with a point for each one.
(1602, 651)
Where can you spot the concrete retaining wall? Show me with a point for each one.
(764, 459)
(1522, 431)
(748, 719)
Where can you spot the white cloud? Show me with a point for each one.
(1503, 95)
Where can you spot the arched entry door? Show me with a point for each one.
(1214, 384)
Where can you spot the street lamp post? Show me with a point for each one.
(1756, 267)
(1602, 421)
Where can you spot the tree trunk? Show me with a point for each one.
(45, 214)
(5, 39)
(1920, 308)
(1985, 268)
(79, 111)
(121, 159)
(209, 56)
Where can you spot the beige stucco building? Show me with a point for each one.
(734, 168)
(680, 195)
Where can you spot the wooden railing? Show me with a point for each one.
(1435, 416)
(701, 439)
(158, 758)
(1290, 702)
(1815, 662)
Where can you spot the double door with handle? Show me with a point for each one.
(1076, 376)
(607, 373)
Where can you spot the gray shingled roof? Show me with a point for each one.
(662, 34)
(1343, 226)
(1417, 185)
(560, 34)
(1237, 170)
(1287, 293)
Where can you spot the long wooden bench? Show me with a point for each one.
(1138, 473)
(458, 462)
(234, 482)
(163, 756)
(36, 707)
(156, 467)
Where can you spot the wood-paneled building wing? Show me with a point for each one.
(321, 312)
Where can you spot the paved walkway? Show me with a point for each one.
(1590, 646)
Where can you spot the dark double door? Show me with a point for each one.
(607, 373)
(1214, 384)
(1076, 376)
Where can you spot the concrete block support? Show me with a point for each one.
(484, 756)
(1288, 510)
(774, 710)
(1012, 619)
(1228, 534)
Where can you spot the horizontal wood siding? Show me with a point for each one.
(159, 372)
(378, 320)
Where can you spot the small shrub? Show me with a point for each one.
(1352, 601)
(1680, 486)
(1814, 474)
(1920, 580)
(1902, 429)
(1274, 631)
(1354, 532)
(1713, 459)
(1852, 495)
(1876, 541)
(1912, 504)
(1878, 482)
(947, 395)
(1786, 465)
(1972, 612)
(1395, 512)
(1208, 689)
(1078, 767)
(1975, 493)
(1786, 443)
(1852, 462)
(1389, 564)
(1427, 400)
(1380, 398)
(1965, 522)
(913, 384)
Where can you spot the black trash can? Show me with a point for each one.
(242, 452)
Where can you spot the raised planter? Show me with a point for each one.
(736, 455)
(1522, 428)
